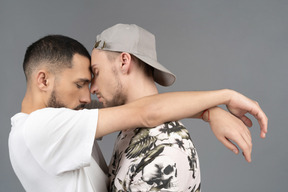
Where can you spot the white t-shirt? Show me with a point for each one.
(54, 150)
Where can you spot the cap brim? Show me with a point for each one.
(161, 75)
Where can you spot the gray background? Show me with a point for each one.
(208, 44)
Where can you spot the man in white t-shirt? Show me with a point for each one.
(52, 143)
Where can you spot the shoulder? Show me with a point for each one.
(169, 130)
(48, 123)
(46, 112)
(54, 115)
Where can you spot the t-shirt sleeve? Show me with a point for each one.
(61, 140)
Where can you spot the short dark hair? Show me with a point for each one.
(55, 50)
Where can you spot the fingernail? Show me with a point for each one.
(235, 151)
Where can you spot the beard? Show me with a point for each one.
(118, 98)
(54, 102)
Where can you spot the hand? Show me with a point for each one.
(228, 128)
(239, 105)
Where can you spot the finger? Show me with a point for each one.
(227, 143)
(248, 133)
(261, 118)
(264, 126)
(245, 146)
(263, 122)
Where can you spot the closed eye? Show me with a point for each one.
(79, 86)
(95, 72)
(81, 83)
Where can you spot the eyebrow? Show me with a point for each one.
(83, 80)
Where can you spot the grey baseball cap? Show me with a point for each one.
(137, 41)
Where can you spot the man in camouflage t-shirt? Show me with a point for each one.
(146, 159)
(125, 68)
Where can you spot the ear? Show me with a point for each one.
(126, 63)
(43, 80)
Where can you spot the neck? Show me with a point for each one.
(139, 88)
(31, 103)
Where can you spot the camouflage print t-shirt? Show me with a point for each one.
(158, 159)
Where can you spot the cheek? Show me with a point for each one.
(69, 98)
(101, 82)
(70, 94)
(108, 85)
(105, 82)
(68, 90)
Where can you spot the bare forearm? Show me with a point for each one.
(179, 105)
(157, 109)
(154, 110)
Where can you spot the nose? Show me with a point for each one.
(93, 88)
(86, 97)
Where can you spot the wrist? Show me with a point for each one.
(228, 94)
(211, 114)
(205, 116)
(225, 96)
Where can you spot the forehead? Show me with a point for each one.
(80, 61)
(81, 68)
(98, 57)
